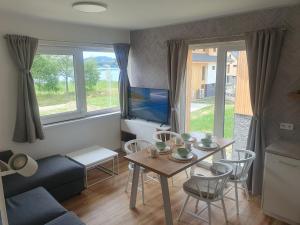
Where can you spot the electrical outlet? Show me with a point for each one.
(286, 126)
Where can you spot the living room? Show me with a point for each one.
(195, 70)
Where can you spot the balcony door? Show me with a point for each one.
(217, 92)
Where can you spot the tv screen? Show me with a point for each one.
(149, 104)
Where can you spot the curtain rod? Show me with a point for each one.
(234, 37)
(71, 42)
(77, 42)
(216, 38)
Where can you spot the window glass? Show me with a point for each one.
(54, 83)
(101, 73)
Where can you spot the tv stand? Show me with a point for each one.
(141, 129)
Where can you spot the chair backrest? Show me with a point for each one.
(241, 163)
(212, 187)
(137, 145)
(165, 136)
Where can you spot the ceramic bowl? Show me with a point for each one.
(206, 142)
(185, 136)
(183, 152)
(160, 145)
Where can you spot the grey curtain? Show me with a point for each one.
(122, 52)
(263, 54)
(177, 57)
(28, 126)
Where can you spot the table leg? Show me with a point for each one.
(166, 198)
(134, 186)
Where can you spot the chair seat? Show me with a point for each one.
(201, 187)
(236, 174)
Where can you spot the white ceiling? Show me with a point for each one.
(138, 14)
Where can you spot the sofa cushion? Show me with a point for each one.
(34, 207)
(68, 218)
(52, 172)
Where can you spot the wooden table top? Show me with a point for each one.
(166, 167)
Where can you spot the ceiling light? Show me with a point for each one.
(89, 7)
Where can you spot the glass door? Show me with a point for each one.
(237, 107)
(201, 90)
(215, 88)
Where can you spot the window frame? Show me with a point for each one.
(76, 50)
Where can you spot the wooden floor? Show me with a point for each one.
(106, 203)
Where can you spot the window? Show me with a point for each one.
(213, 67)
(101, 74)
(72, 82)
(54, 83)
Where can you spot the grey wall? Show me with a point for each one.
(149, 57)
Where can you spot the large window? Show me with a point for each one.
(75, 82)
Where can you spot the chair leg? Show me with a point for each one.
(224, 210)
(236, 198)
(186, 173)
(209, 213)
(126, 187)
(183, 207)
(196, 206)
(143, 192)
(246, 190)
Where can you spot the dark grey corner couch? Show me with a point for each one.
(33, 200)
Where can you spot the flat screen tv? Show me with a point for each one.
(149, 104)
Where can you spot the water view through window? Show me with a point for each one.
(101, 80)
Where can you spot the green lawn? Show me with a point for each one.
(203, 120)
(104, 95)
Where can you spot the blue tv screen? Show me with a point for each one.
(149, 104)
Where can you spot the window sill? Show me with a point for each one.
(82, 119)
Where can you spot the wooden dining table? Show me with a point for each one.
(166, 168)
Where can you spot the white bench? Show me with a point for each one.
(94, 157)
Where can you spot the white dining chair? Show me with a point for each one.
(208, 189)
(165, 136)
(132, 147)
(241, 161)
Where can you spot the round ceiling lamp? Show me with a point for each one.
(89, 7)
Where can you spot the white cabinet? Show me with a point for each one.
(141, 128)
(281, 189)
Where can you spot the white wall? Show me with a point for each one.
(64, 137)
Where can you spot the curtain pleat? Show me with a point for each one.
(28, 126)
(177, 60)
(263, 54)
(122, 52)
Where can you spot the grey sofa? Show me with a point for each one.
(32, 200)
(63, 178)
